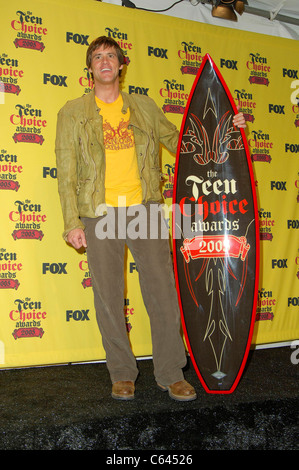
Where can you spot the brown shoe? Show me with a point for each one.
(181, 391)
(123, 390)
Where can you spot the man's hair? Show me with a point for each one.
(106, 42)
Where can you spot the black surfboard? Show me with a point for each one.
(215, 234)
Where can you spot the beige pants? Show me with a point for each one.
(154, 265)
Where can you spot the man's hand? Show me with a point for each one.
(239, 120)
(77, 238)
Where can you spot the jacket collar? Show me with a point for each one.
(92, 110)
(90, 106)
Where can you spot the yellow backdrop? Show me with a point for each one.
(47, 313)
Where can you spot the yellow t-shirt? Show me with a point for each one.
(122, 178)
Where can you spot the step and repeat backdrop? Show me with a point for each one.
(47, 311)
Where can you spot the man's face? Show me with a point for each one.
(105, 65)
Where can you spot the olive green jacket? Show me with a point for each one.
(80, 154)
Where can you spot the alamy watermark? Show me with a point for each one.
(151, 220)
(147, 221)
(295, 94)
(295, 353)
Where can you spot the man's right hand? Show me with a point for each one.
(77, 238)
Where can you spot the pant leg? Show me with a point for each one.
(155, 269)
(106, 265)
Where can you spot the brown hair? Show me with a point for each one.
(106, 42)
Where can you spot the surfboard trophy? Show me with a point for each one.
(215, 234)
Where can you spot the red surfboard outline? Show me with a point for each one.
(206, 58)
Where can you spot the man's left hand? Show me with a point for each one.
(239, 120)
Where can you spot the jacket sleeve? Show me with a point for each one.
(169, 134)
(66, 161)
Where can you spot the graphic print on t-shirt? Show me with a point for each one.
(122, 179)
(118, 138)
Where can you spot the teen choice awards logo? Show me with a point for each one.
(30, 31)
(10, 73)
(28, 219)
(27, 316)
(174, 95)
(83, 266)
(265, 305)
(10, 171)
(259, 69)
(246, 103)
(122, 40)
(191, 57)
(10, 267)
(86, 81)
(168, 177)
(261, 146)
(29, 123)
(128, 312)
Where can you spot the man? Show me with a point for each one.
(107, 149)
